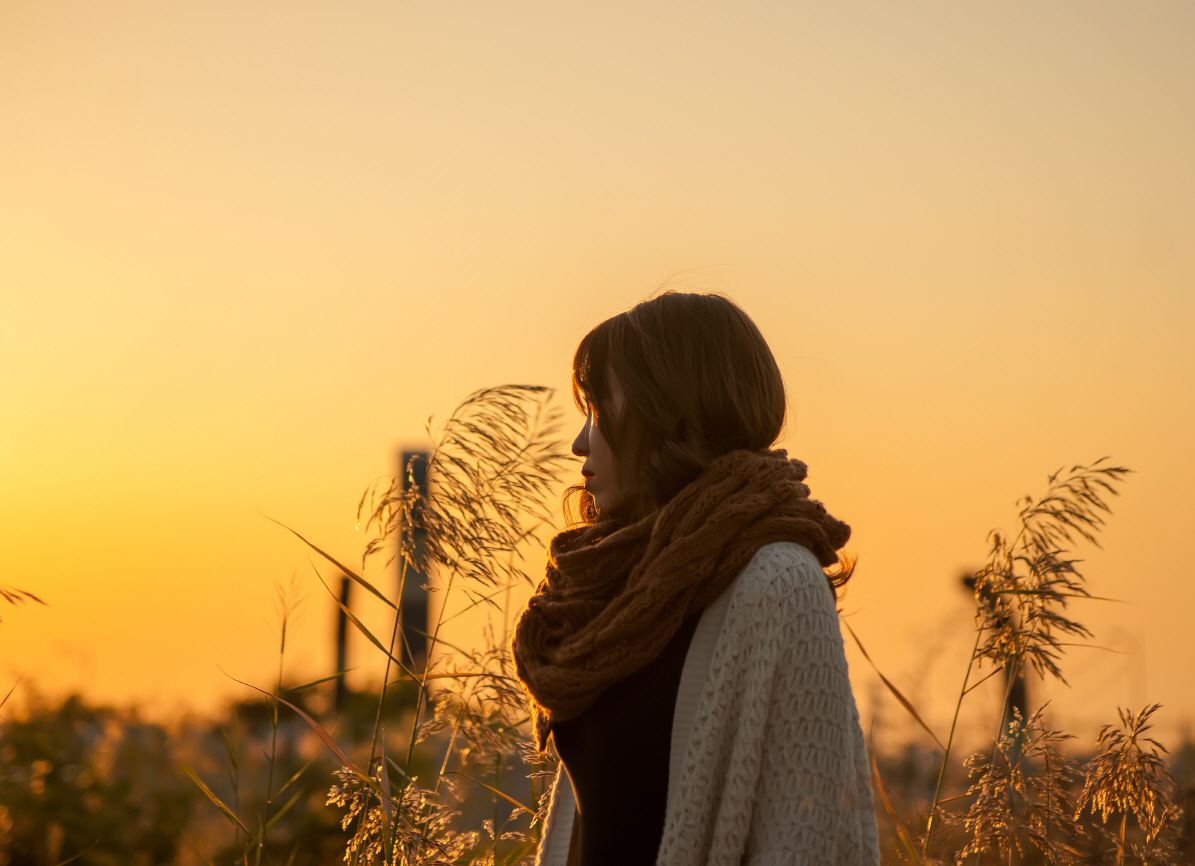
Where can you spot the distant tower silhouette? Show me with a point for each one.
(342, 637)
(415, 620)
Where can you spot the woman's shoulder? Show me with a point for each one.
(780, 555)
(781, 570)
(782, 590)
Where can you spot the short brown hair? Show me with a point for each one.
(699, 380)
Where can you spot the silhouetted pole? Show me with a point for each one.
(342, 637)
(415, 618)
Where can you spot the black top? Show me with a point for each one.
(616, 754)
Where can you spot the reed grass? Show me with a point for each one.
(401, 791)
(1129, 778)
(12, 595)
(488, 478)
(1020, 796)
(489, 475)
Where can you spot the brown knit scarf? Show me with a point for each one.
(616, 593)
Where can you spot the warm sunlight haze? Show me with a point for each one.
(247, 249)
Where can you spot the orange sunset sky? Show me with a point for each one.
(247, 248)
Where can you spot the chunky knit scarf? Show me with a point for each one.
(616, 592)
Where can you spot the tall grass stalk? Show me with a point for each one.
(1013, 810)
(488, 477)
(1018, 615)
(14, 596)
(287, 605)
(1128, 776)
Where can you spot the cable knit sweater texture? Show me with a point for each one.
(768, 765)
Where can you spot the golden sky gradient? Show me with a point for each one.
(247, 248)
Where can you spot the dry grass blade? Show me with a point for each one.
(505, 796)
(295, 776)
(316, 682)
(216, 801)
(895, 691)
(373, 590)
(284, 808)
(319, 730)
(15, 596)
(902, 831)
(361, 627)
(10, 691)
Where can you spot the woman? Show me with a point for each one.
(683, 652)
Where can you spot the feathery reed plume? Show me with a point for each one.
(12, 595)
(420, 828)
(494, 465)
(1021, 616)
(543, 767)
(489, 475)
(1014, 808)
(482, 710)
(484, 714)
(1126, 777)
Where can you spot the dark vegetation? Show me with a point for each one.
(435, 767)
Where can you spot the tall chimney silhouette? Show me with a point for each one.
(342, 636)
(415, 620)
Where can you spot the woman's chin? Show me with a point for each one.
(605, 508)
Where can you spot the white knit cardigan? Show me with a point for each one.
(768, 765)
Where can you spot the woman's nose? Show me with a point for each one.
(581, 444)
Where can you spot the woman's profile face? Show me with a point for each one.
(599, 466)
